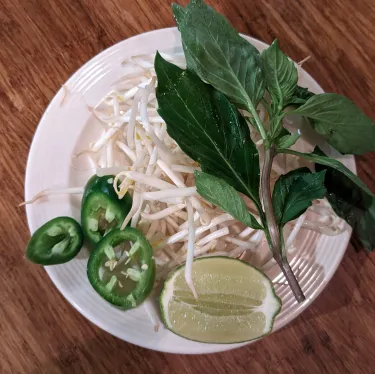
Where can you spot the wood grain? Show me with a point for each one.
(41, 44)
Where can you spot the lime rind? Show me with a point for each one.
(270, 306)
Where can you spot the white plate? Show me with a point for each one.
(64, 129)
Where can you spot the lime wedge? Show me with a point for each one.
(236, 302)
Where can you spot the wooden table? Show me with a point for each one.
(41, 44)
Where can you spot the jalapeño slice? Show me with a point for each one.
(57, 241)
(124, 279)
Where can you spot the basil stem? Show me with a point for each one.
(258, 122)
(275, 240)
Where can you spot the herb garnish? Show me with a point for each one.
(201, 105)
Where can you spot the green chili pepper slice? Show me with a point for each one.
(103, 184)
(124, 281)
(56, 242)
(102, 210)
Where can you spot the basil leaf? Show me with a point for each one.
(220, 193)
(340, 122)
(300, 96)
(286, 141)
(294, 192)
(179, 13)
(280, 74)
(349, 197)
(318, 157)
(208, 128)
(351, 203)
(219, 55)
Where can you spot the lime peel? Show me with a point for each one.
(268, 306)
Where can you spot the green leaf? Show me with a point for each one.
(300, 96)
(280, 74)
(178, 13)
(220, 193)
(340, 122)
(294, 192)
(318, 157)
(219, 55)
(208, 128)
(286, 141)
(349, 197)
(351, 203)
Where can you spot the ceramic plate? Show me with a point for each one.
(66, 128)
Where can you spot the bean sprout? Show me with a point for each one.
(190, 251)
(60, 191)
(167, 194)
(295, 231)
(163, 213)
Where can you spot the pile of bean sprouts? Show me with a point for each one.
(180, 225)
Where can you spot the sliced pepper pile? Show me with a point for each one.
(124, 280)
